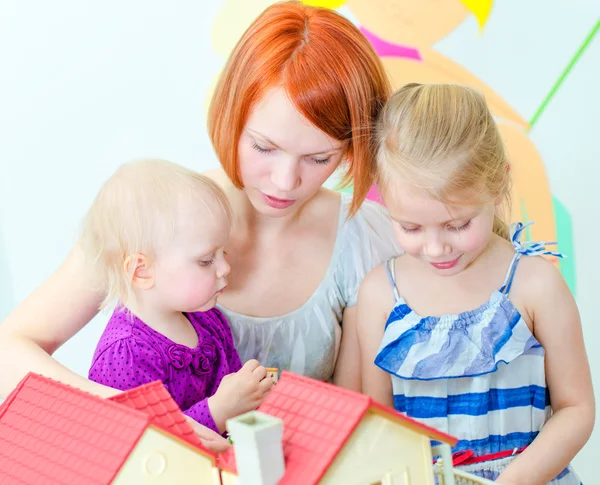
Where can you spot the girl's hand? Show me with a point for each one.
(210, 439)
(240, 392)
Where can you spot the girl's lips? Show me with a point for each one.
(445, 264)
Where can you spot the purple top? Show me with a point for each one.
(130, 353)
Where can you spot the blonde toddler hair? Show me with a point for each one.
(442, 138)
(135, 211)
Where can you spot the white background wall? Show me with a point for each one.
(85, 86)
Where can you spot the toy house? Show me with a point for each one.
(51, 433)
(306, 432)
(309, 432)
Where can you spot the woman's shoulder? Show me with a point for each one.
(366, 240)
(369, 229)
(370, 215)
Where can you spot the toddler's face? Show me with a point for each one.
(446, 238)
(190, 271)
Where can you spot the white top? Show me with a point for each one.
(306, 340)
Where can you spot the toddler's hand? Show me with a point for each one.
(208, 437)
(239, 392)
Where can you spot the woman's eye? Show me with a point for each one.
(260, 149)
(322, 161)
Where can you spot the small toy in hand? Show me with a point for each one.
(273, 373)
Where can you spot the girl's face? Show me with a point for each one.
(190, 270)
(445, 238)
(284, 160)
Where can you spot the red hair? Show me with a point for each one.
(328, 69)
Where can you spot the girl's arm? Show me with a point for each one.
(375, 301)
(49, 317)
(557, 326)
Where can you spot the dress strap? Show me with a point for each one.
(391, 272)
(527, 248)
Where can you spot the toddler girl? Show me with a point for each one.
(470, 330)
(156, 235)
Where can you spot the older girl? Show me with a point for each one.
(471, 331)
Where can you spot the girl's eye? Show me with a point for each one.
(409, 229)
(464, 227)
(206, 263)
(260, 149)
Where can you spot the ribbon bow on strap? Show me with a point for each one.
(529, 248)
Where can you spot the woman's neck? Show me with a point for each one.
(249, 220)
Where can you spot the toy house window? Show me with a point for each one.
(155, 464)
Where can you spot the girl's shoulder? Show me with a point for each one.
(534, 264)
(535, 281)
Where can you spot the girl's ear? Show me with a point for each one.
(138, 268)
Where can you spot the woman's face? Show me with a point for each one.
(284, 159)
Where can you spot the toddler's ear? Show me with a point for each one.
(139, 270)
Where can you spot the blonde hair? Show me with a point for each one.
(135, 210)
(441, 138)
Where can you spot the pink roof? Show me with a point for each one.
(54, 433)
(154, 400)
(318, 418)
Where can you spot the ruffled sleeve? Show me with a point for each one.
(464, 345)
(126, 363)
(366, 241)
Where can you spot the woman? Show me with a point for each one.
(297, 98)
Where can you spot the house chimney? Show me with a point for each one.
(258, 449)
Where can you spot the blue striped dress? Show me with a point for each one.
(478, 375)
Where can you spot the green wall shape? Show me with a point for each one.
(564, 235)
